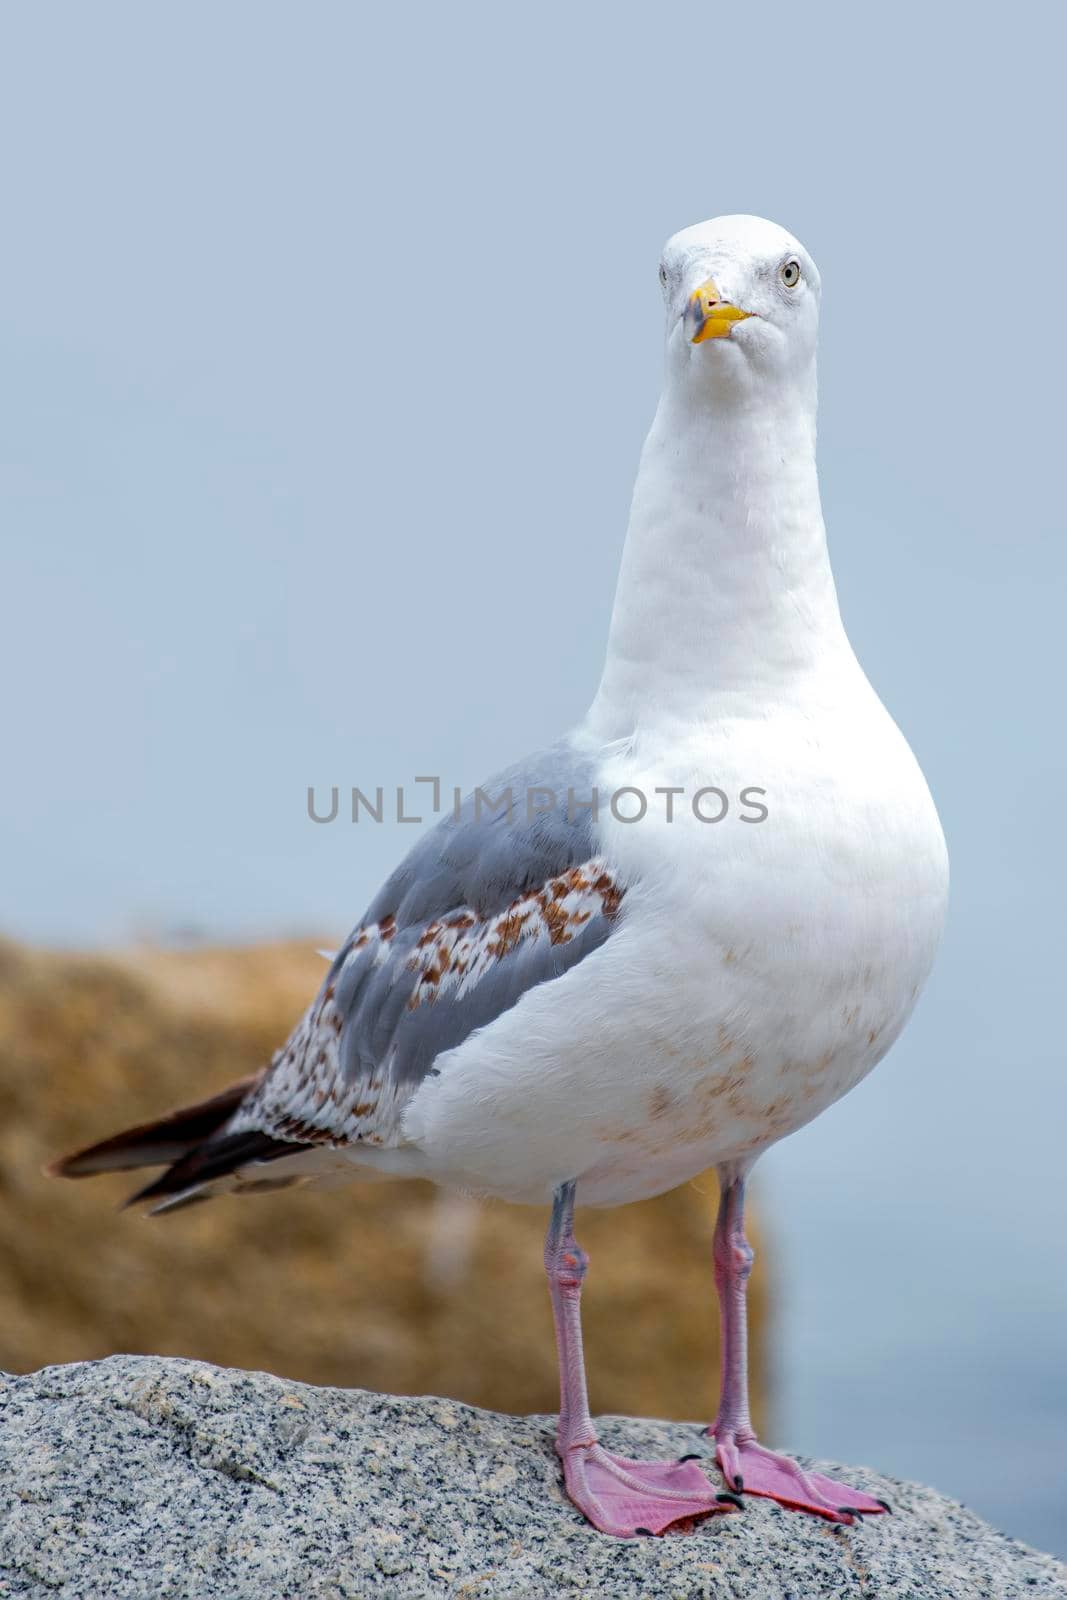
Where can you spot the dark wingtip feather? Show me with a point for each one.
(215, 1159)
(153, 1144)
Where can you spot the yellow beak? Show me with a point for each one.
(709, 316)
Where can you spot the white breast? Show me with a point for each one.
(759, 972)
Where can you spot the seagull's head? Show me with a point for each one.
(742, 299)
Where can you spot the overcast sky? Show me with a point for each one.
(329, 338)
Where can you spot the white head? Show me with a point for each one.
(742, 299)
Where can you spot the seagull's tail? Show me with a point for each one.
(192, 1143)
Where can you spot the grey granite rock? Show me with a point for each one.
(141, 1478)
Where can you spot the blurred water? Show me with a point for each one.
(919, 1232)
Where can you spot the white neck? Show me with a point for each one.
(725, 588)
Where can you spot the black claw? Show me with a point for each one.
(646, 1531)
(694, 1455)
(733, 1499)
(850, 1511)
(884, 1504)
(739, 1484)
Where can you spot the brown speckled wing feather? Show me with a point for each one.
(398, 997)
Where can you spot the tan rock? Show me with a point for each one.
(389, 1286)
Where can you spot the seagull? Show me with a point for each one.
(665, 942)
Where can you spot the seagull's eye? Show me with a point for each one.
(663, 274)
(789, 272)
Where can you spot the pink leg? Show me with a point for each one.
(745, 1464)
(618, 1496)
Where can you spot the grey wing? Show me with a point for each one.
(489, 904)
